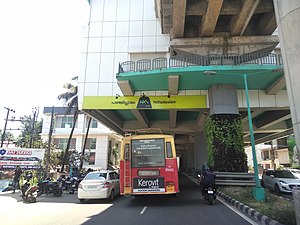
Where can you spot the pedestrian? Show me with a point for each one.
(17, 175)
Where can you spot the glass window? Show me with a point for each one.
(112, 176)
(148, 153)
(127, 151)
(284, 174)
(61, 143)
(91, 143)
(67, 122)
(92, 158)
(169, 150)
(95, 176)
(94, 123)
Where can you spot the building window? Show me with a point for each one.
(91, 143)
(61, 143)
(92, 158)
(94, 123)
(67, 122)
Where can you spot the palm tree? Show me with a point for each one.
(70, 99)
(84, 144)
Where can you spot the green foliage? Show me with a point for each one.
(115, 153)
(224, 136)
(274, 207)
(291, 142)
(70, 99)
(7, 137)
(29, 132)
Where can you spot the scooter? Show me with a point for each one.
(210, 194)
(29, 193)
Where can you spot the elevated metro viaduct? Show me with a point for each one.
(211, 44)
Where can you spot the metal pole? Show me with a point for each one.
(49, 143)
(4, 130)
(33, 126)
(258, 192)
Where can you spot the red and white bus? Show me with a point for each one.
(148, 165)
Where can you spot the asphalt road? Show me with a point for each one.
(186, 209)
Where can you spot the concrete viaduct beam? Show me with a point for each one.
(210, 19)
(240, 21)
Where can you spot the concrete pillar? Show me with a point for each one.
(190, 154)
(223, 99)
(200, 147)
(296, 198)
(288, 20)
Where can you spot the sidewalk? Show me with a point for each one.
(257, 216)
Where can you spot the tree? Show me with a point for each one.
(70, 99)
(29, 133)
(9, 137)
(115, 153)
(84, 144)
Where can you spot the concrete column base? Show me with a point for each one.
(296, 197)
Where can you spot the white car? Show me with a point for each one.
(103, 184)
(279, 181)
(295, 172)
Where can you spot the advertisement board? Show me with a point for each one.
(141, 185)
(145, 102)
(26, 158)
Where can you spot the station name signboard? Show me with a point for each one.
(26, 158)
(145, 102)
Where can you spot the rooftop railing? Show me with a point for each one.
(208, 60)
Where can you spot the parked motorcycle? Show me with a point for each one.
(49, 187)
(74, 184)
(29, 193)
(69, 184)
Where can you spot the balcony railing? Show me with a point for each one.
(181, 61)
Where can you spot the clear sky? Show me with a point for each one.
(40, 46)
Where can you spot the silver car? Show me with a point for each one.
(279, 181)
(103, 184)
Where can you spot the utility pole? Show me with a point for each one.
(49, 143)
(35, 115)
(4, 130)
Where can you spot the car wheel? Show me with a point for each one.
(112, 195)
(277, 189)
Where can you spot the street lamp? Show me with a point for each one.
(258, 191)
(4, 130)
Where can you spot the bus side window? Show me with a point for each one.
(127, 151)
(169, 150)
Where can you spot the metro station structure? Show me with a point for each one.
(169, 64)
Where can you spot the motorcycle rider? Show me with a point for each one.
(207, 179)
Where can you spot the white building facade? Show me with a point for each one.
(99, 143)
(118, 31)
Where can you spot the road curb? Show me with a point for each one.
(265, 220)
(249, 211)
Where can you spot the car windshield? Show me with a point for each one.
(96, 176)
(4, 183)
(284, 174)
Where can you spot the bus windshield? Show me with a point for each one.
(148, 153)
